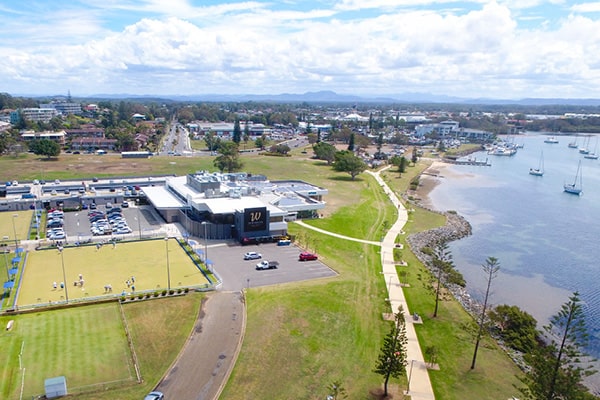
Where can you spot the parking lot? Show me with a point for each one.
(238, 273)
(142, 221)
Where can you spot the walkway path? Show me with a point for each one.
(314, 228)
(416, 369)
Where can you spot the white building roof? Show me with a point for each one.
(162, 198)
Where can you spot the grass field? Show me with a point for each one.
(146, 261)
(85, 344)
(22, 222)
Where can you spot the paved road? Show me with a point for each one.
(206, 361)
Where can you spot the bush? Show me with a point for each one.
(186, 290)
(171, 292)
(163, 293)
(155, 294)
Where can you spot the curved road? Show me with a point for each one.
(205, 363)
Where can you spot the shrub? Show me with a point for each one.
(186, 290)
(163, 293)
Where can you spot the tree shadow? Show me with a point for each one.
(348, 178)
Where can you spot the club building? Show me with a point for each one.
(238, 206)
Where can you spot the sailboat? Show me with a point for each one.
(576, 186)
(593, 155)
(573, 144)
(539, 171)
(584, 149)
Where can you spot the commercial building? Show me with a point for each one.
(234, 206)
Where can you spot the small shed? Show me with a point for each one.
(55, 387)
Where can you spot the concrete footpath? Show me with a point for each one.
(416, 369)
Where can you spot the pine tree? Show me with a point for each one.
(237, 132)
(351, 142)
(392, 357)
(556, 368)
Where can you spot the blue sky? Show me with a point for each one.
(508, 49)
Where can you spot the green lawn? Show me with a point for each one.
(146, 261)
(85, 344)
(21, 221)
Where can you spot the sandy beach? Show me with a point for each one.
(429, 179)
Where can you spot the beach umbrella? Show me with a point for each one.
(16, 260)
(208, 262)
(9, 285)
(199, 251)
(19, 250)
(13, 271)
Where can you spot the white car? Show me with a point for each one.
(252, 255)
(264, 264)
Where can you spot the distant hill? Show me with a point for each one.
(327, 96)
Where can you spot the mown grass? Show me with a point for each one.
(146, 261)
(159, 329)
(85, 344)
(22, 222)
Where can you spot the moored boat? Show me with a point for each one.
(577, 186)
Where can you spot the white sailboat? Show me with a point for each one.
(539, 171)
(573, 144)
(577, 186)
(585, 148)
(592, 155)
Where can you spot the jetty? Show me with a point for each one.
(468, 161)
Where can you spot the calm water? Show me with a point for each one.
(546, 240)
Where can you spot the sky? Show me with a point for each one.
(501, 49)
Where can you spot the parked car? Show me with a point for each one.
(264, 264)
(93, 206)
(252, 255)
(155, 396)
(307, 256)
(125, 204)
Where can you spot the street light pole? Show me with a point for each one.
(6, 264)
(168, 267)
(62, 259)
(205, 246)
(139, 222)
(409, 376)
(15, 231)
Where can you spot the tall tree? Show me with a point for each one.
(351, 142)
(228, 158)
(379, 142)
(237, 132)
(557, 369)
(246, 136)
(491, 268)
(212, 141)
(346, 161)
(392, 356)
(442, 261)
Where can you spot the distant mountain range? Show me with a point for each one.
(333, 97)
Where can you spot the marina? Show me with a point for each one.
(543, 237)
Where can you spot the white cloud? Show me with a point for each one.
(481, 53)
(586, 7)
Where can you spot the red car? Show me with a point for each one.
(307, 257)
